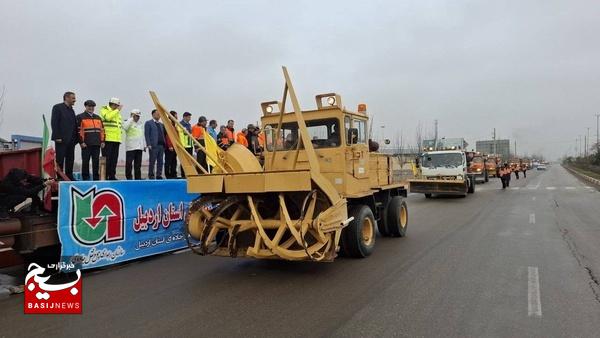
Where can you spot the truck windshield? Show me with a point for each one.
(442, 160)
(323, 134)
(477, 159)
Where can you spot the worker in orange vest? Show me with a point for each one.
(241, 137)
(223, 139)
(199, 132)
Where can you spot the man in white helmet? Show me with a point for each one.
(134, 145)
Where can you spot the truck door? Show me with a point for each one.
(358, 150)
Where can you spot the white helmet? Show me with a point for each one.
(115, 100)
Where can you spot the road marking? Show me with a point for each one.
(514, 188)
(534, 307)
(532, 188)
(181, 251)
(533, 198)
(551, 188)
(531, 218)
(570, 188)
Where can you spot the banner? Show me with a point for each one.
(107, 222)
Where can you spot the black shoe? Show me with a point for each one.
(159, 177)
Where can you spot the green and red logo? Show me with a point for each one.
(97, 216)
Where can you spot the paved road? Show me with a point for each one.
(513, 263)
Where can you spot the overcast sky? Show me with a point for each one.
(531, 69)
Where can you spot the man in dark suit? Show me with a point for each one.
(64, 133)
(154, 133)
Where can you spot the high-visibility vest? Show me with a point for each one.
(184, 138)
(241, 139)
(198, 132)
(111, 118)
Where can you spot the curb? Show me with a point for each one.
(585, 177)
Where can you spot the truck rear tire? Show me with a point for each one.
(427, 195)
(358, 238)
(397, 217)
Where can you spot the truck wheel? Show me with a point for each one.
(427, 195)
(397, 217)
(471, 184)
(382, 225)
(358, 238)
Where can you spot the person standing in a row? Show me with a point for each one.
(91, 139)
(134, 145)
(64, 133)
(111, 117)
(154, 133)
(199, 133)
(184, 137)
(170, 154)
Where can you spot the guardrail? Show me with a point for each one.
(583, 176)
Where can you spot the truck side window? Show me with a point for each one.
(360, 125)
(347, 128)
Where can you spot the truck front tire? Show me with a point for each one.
(358, 238)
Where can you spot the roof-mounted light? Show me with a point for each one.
(269, 109)
(331, 100)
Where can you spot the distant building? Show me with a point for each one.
(501, 147)
(23, 142)
(5, 145)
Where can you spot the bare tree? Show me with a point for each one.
(419, 135)
(399, 142)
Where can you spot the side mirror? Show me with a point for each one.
(387, 141)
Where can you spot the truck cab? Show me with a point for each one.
(477, 166)
(340, 140)
(443, 170)
(445, 164)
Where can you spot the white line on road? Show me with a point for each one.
(514, 188)
(531, 218)
(533, 198)
(570, 188)
(551, 188)
(534, 307)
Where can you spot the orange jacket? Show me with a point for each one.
(198, 132)
(90, 129)
(241, 139)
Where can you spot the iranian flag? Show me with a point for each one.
(48, 164)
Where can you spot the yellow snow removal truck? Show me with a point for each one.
(320, 191)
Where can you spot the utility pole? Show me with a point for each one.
(587, 142)
(494, 139)
(580, 146)
(516, 149)
(436, 134)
